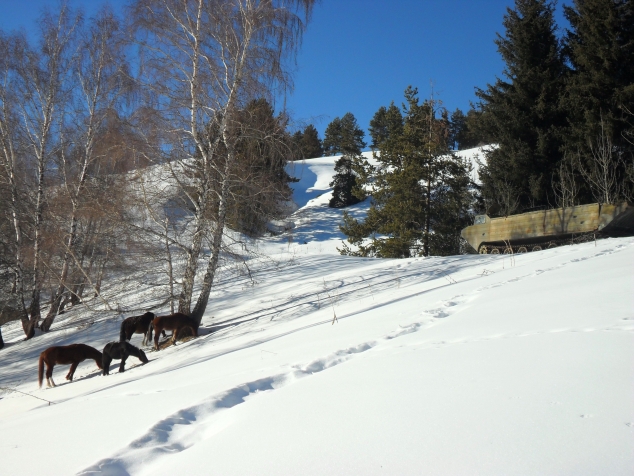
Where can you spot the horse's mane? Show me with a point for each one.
(93, 353)
(134, 351)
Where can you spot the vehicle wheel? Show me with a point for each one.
(552, 244)
(495, 251)
(483, 250)
(522, 249)
(508, 251)
(537, 248)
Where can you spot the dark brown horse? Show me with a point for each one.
(120, 350)
(175, 323)
(137, 325)
(65, 354)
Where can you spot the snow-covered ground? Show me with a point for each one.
(331, 365)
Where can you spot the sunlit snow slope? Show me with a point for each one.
(330, 365)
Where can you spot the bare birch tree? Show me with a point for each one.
(34, 94)
(101, 76)
(601, 169)
(204, 60)
(10, 180)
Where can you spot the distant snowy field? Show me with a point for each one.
(457, 365)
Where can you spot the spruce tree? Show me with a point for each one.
(420, 192)
(600, 92)
(521, 113)
(343, 135)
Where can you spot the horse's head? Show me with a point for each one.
(142, 357)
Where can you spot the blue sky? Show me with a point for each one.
(358, 55)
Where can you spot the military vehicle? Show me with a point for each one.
(534, 231)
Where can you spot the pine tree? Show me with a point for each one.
(420, 192)
(263, 150)
(386, 121)
(600, 91)
(465, 130)
(308, 142)
(346, 137)
(522, 114)
(457, 129)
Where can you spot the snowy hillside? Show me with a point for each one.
(332, 365)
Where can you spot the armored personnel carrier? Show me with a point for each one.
(534, 231)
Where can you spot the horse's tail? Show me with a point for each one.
(40, 371)
(122, 336)
(98, 357)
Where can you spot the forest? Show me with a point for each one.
(559, 125)
(153, 141)
(138, 143)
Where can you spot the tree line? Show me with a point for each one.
(184, 86)
(562, 115)
(422, 193)
(560, 123)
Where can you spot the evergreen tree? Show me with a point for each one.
(420, 191)
(522, 114)
(465, 130)
(308, 143)
(457, 129)
(346, 137)
(263, 149)
(386, 121)
(600, 92)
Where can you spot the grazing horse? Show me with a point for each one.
(174, 322)
(137, 325)
(65, 354)
(120, 350)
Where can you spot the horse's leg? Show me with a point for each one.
(71, 372)
(156, 339)
(105, 363)
(49, 375)
(122, 364)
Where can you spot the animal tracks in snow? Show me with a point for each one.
(181, 430)
(334, 359)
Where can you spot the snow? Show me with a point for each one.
(469, 364)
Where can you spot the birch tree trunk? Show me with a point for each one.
(44, 87)
(9, 163)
